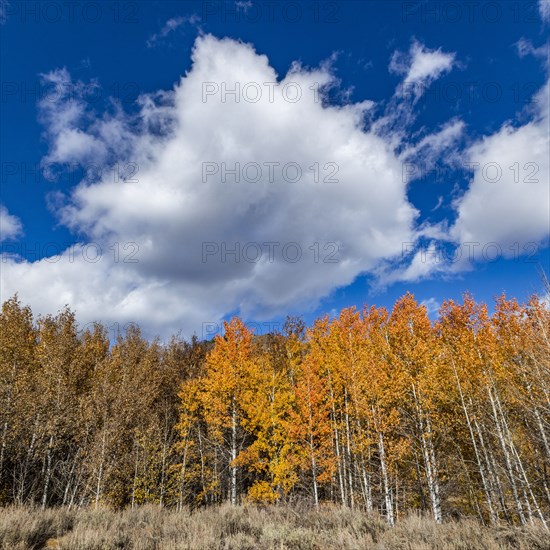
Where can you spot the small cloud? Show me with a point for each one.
(427, 261)
(170, 26)
(10, 226)
(525, 47)
(421, 66)
(4, 5)
(439, 203)
(544, 10)
(431, 148)
(432, 306)
(243, 5)
(365, 64)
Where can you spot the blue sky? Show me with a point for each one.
(408, 143)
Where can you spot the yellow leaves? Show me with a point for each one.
(307, 413)
(262, 492)
(310, 413)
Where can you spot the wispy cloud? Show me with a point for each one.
(432, 306)
(170, 26)
(544, 10)
(421, 66)
(244, 5)
(525, 47)
(4, 5)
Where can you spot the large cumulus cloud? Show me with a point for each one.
(162, 215)
(346, 212)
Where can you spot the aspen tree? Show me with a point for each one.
(413, 354)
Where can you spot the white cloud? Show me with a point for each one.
(425, 262)
(243, 5)
(421, 66)
(170, 212)
(170, 26)
(109, 291)
(432, 306)
(10, 226)
(438, 142)
(505, 211)
(63, 113)
(423, 156)
(4, 5)
(544, 10)
(525, 47)
(508, 199)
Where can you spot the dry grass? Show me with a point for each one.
(248, 527)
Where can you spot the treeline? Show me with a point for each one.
(374, 410)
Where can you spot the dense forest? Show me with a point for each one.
(372, 410)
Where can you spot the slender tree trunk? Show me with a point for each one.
(492, 468)
(426, 437)
(471, 492)
(421, 494)
(367, 486)
(387, 488)
(100, 472)
(529, 489)
(339, 463)
(182, 474)
(339, 458)
(349, 458)
(201, 453)
(75, 489)
(48, 472)
(385, 479)
(233, 482)
(134, 484)
(163, 470)
(314, 472)
(492, 475)
(3, 448)
(520, 467)
(312, 450)
(337, 447)
(436, 502)
(509, 469)
(30, 452)
(7, 411)
(542, 432)
(69, 481)
(366, 480)
(492, 514)
(536, 412)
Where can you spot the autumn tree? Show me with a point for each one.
(366, 409)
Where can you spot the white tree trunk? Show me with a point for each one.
(48, 472)
(492, 513)
(428, 453)
(233, 481)
(100, 472)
